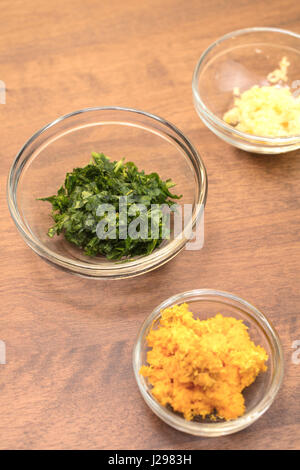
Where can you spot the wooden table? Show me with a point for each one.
(68, 381)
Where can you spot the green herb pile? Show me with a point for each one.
(103, 182)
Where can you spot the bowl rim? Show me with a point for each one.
(220, 122)
(135, 267)
(220, 428)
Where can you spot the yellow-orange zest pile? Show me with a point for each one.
(200, 367)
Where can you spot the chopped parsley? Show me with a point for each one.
(105, 184)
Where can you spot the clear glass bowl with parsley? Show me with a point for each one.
(149, 161)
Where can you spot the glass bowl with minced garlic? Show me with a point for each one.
(246, 89)
(208, 363)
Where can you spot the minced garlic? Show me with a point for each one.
(268, 111)
(200, 367)
(280, 73)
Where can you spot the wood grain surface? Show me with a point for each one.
(68, 381)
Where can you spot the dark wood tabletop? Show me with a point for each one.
(68, 380)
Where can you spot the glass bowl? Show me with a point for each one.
(205, 303)
(242, 59)
(39, 170)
